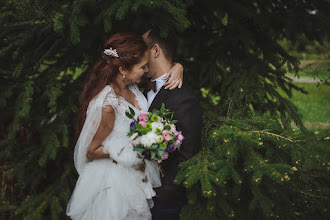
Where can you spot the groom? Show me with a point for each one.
(170, 197)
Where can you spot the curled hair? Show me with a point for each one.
(130, 48)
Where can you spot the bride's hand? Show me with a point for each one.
(176, 77)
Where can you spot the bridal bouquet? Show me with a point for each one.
(154, 133)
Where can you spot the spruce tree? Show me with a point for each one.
(229, 49)
(253, 168)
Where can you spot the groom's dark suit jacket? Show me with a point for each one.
(189, 115)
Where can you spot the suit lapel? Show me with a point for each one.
(160, 98)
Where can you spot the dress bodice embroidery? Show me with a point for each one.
(120, 105)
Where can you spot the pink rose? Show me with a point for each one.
(143, 122)
(179, 134)
(166, 135)
(143, 116)
(164, 156)
(178, 142)
(180, 137)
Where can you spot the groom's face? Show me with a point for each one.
(151, 63)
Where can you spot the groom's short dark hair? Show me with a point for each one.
(168, 44)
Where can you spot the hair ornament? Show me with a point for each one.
(111, 52)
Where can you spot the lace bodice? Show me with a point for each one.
(109, 97)
(120, 105)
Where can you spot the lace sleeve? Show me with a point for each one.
(92, 122)
(111, 99)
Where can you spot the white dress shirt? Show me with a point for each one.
(159, 84)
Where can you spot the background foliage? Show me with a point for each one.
(232, 56)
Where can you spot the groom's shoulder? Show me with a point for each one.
(185, 91)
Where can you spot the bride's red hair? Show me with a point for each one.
(130, 48)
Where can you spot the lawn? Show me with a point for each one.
(316, 69)
(315, 106)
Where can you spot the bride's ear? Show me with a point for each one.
(121, 70)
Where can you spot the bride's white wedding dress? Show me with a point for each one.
(112, 188)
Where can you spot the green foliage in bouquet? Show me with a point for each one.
(153, 117)
(164, 117)
(254, 167)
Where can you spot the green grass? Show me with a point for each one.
(314, 71)
(320, 72)
(315, 106)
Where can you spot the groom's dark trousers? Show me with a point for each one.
(170, 197)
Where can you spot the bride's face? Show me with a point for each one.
(135, 74)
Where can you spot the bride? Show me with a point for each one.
(114, 181)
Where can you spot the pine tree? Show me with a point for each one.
(229, 49)
(250, 168)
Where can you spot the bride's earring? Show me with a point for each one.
(122, 72)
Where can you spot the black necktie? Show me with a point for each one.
(153, 86)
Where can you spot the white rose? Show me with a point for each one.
(159, 139)
(155, 125)
(145, 141)
(153, 136)
(149, 139)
